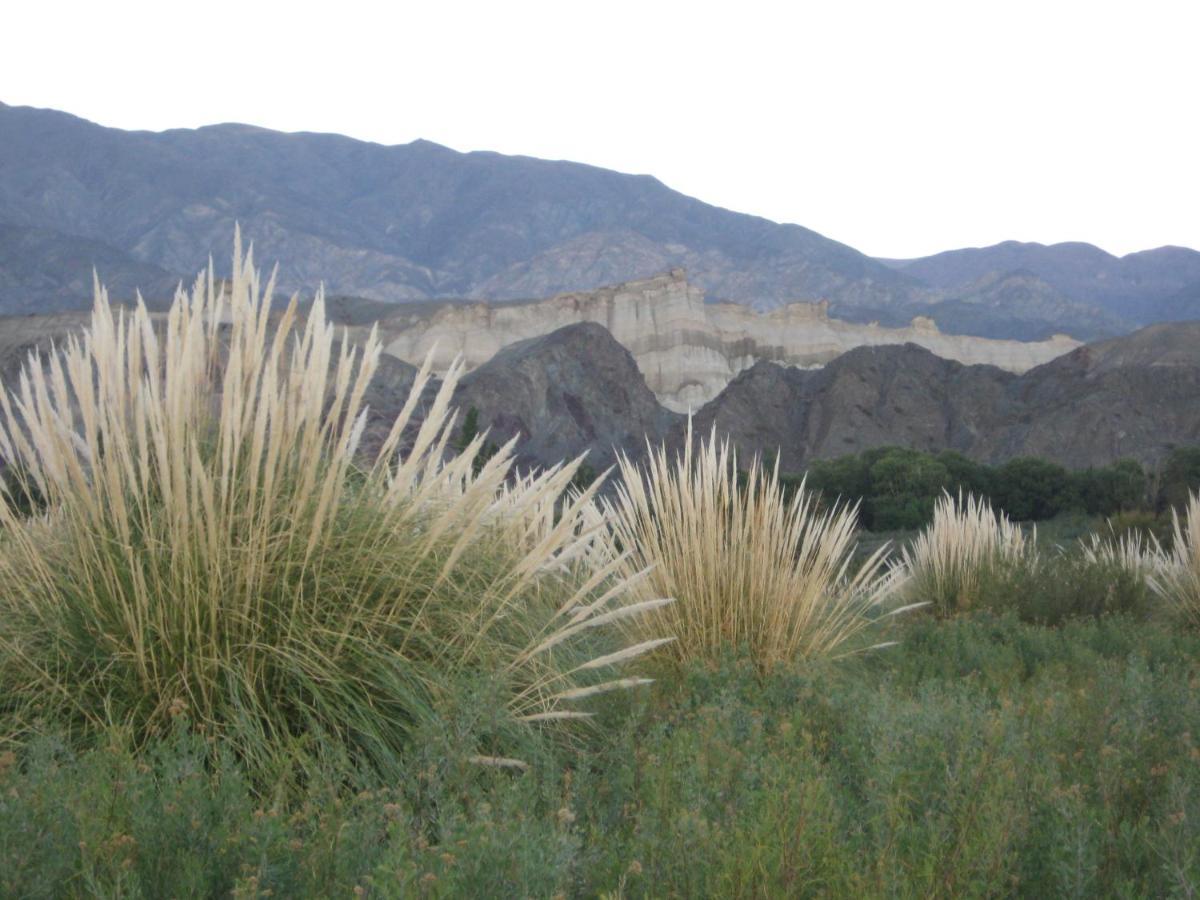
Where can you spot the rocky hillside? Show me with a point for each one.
(1132, 396)
(571, 391)
(578, 389)
(41, 270)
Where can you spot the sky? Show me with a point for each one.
(901, 128)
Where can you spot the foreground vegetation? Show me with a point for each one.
(211, 542)
(239, 657)
(980, 757)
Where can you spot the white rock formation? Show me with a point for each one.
(688, 349)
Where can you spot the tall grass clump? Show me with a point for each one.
(211, 544)
(1132, 551)
(1176, 577)
(748, 567)
(946, 564)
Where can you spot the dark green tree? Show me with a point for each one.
(967, 475)
(1108, 490)
(905, 484)
(1028, 488)
(1178, 475)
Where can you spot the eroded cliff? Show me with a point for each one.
(687, 349)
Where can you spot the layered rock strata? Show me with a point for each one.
(687, 349)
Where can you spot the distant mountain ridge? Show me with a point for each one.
(578, 389)
(1136, 289)
(405, 222)
(421, 221)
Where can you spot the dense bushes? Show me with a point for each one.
(898, 487)
(1065, 584)
(980, 757)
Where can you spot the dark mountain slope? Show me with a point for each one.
(865, 398)
(47, 271)
(421, 221)
(570, 391)
(1182, 306)
(1082, 414)
(1134, 396)
(1021, 306)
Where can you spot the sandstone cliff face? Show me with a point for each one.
(688, 350)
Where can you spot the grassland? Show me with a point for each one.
(981, 756)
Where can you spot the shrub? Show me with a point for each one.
(1118, 487)
(1146, 525)
(905, 485)
(1176, 579)
(899, 486)
(946, 562)
(211, 547)
(1050, 590)
(748, 566)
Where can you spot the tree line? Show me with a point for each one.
(897, 487)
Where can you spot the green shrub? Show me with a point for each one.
(1115, 488)
(905, 485)
(1033, 489)
(1142, 524)
(1178, 478)
(980, 756)
(898, 486)
(1053, 588)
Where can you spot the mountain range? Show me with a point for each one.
(420, 222)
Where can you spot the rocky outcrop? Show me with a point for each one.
(572, 391)
(687, 349)
(871, 396)
(1129, 397)
(578, 389)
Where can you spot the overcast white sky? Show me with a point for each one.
(901, 128)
